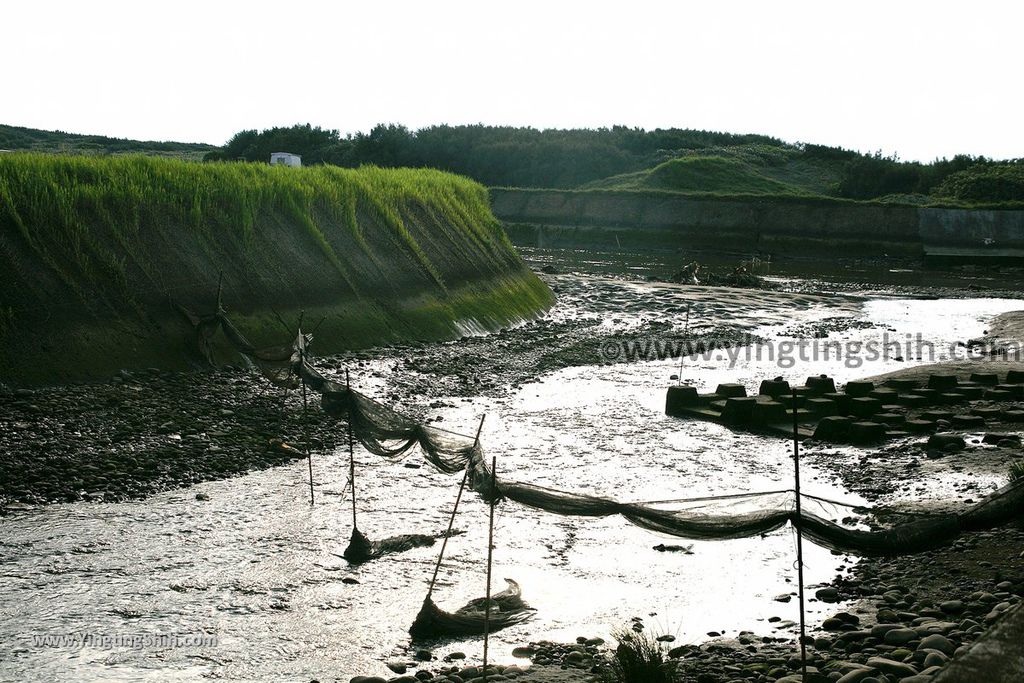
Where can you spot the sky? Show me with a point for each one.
(918, 79)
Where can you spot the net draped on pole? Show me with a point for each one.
(390, 434)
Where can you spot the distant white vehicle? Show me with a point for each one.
(285, 159)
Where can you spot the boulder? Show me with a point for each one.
(900, 636)
(892, 668)
(946, 442)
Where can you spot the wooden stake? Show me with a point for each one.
(305, 421)
(451, 520)
(490, 556)
(351, 449)
(799, 540)
(686, 340)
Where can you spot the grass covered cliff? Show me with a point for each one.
(94, 250)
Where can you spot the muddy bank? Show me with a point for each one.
(148, 431)
(95, 254)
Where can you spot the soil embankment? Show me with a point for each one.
(96, 252)
(780, 226)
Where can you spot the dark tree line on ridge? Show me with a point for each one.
(502, 156)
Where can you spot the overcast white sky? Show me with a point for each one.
(922, 79)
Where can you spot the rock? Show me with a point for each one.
(524, 651)
(879, 630)
(938, 642)
(827, 594)
(785, 597)
(935, 659)
(397, 667)
(424, 655)
(833, 624)
(202, 496)
(888, 666)
(946, 442)
(856, 676)
(952, 606)
(899, 636)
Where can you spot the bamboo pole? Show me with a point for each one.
(351, 449)
(799, 540)
(305, 418)
(451, 520)
(490, 557)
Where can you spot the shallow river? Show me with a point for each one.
(257, 567)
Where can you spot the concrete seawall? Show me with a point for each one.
(780, 227)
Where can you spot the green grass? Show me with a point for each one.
(741, 169)
(67, 207)
(98, 246)
(713, 174)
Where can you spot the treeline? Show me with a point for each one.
(505, 156)
(492, 155)
(965, 178)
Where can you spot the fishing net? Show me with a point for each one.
(507, 609)
(361, 549)
(844, 528)
(203, 329)
(277, 363)
(836, 526)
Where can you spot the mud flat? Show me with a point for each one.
(557, 405)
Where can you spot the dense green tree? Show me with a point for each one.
(307, 141)
(528, 157)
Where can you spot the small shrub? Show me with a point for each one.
(638, 659)
(1017, 471)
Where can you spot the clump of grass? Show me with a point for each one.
(638, 659)
(1017, 471)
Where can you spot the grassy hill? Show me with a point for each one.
(15, 138)
(741, 169)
